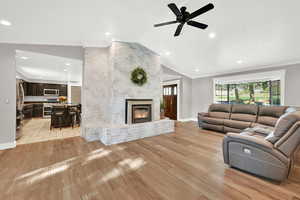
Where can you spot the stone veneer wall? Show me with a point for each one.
(106, 83)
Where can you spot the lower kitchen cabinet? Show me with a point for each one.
(37, 110)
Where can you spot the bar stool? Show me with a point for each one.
(72, 111)
(57, 117)
(78, 114)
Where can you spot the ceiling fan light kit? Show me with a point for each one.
(182, 17)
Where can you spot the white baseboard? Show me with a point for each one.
(7, 145)
(187, 119)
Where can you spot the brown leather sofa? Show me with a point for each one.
(260, 139)
(237, 117)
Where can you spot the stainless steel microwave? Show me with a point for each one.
(51, 92)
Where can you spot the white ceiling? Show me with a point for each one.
(45, 68)
(260, 33)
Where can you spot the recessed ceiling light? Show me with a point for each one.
(197, 70)
(65, 70)
(5, 22)
(107, 33)
(24, 57)
(168, 53)
(68, 64)
(239, 62)
(212, 35)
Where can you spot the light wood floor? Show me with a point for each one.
(38, 130)
(185, 165)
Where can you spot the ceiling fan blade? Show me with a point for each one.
(165, 23)
(175, 9)
(197, 24)
(178, 30)
(201, 10)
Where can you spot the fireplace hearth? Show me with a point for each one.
(138, 111)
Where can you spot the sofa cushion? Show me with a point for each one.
(245, 109)
(220, 108)
(236, 124)
(266, 120)
(284, 123)
(260, 129)
(218, 128)
(210, 120)
(253, 134)
(220, 115)
(272, 111)
(243, 117)
(231, 130)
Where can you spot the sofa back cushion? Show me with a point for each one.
(220, 115)
(268, 115)
(242, 112)
(272, 111)
(284, 123)
(220, 108)
(221, 111)
(245, 109)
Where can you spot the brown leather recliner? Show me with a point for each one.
(265, 152)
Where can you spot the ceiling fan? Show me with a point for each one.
(182, 17)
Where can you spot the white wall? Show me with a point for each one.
(8, 82)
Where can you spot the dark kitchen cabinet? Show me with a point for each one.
(37, 89)
(63, 90)
(37, 110)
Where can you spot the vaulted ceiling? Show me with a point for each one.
(248, 33)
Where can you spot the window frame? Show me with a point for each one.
(253, 77)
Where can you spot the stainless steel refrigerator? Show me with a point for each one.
(19, 107)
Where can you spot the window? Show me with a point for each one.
(170, 90)
(260, 92)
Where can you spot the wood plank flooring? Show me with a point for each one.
(185, 165)
(38, 130)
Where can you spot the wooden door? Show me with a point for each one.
(170, 101)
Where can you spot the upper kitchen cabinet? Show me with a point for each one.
(63, 90)
(37, 89)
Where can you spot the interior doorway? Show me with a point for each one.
(48, 97)
(170, 93)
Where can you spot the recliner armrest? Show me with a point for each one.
(203, 114)
(254, 142)
(250, 139)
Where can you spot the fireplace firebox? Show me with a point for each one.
(141, 113)
(138, 111)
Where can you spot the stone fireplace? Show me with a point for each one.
(115, 109)
(138, 111)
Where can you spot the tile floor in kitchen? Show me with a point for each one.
(38, 130)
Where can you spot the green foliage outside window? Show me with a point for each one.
(261, 93)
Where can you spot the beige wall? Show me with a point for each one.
(76, 94)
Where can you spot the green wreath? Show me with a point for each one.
(139, 76)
